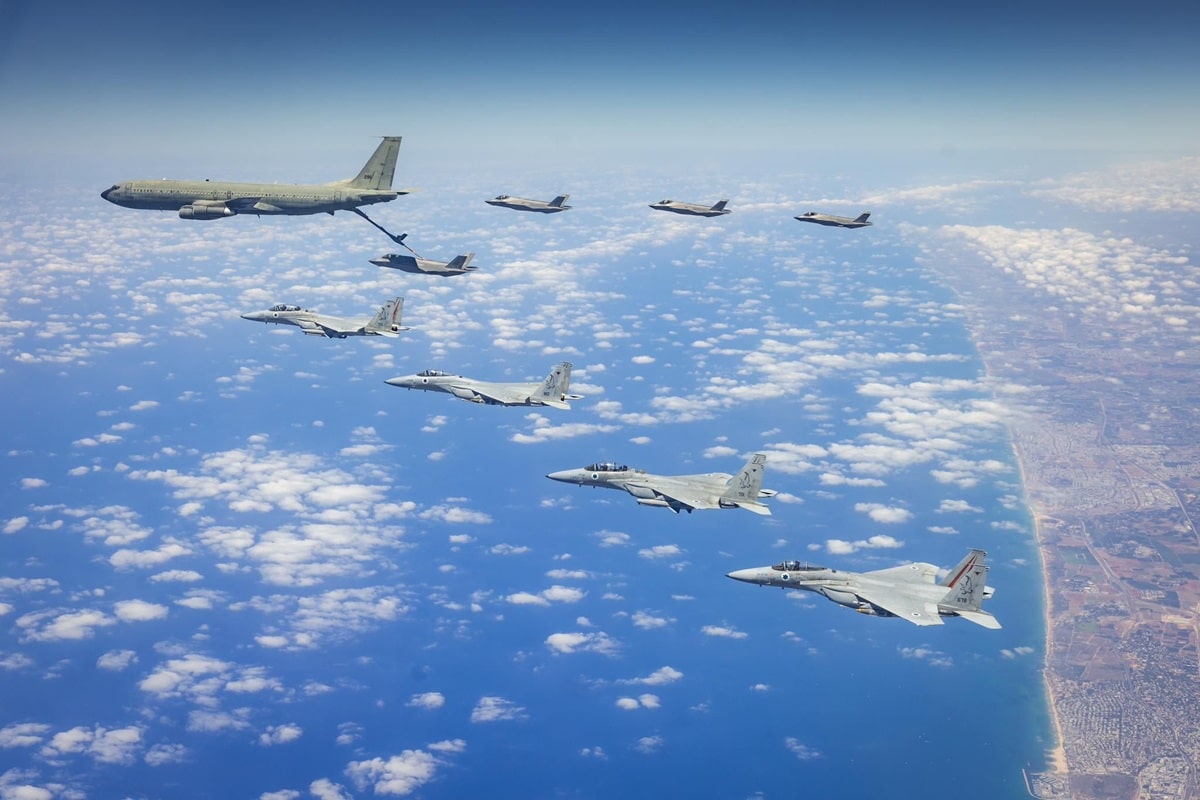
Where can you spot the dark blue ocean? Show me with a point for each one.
(833, 351)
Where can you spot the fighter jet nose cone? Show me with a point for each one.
(745, 575)
(557, 476)
(379, 262)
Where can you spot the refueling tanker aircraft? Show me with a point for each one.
(204, 200)
(912, 592)
(679, 492)
(384, 323)
(551, 392)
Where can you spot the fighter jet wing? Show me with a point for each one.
(916, 610)
(677, 497)
(490, 395)
(242, 205)
(315, 328)
(308, 326)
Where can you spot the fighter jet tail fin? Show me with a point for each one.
(951, 578)
(968, 587)
(387, 321)
(554, 389)
(862, 217)
(461, 262)
(558, 201)
(719, 205)
(744, 489)
(378, 171)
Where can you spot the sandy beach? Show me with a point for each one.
(1056, 757)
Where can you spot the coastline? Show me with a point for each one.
(1056, 756)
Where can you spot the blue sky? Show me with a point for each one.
(564, 83)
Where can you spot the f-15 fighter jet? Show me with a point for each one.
(679, 492)
(912, 592)
(551, 392)
(385, 323)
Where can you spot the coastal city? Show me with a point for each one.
(1106, 432)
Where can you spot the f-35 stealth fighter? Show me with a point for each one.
(679, 492)
(524, 204)
(834, 221)
(385, 323)
(692, 209)
(425, 266)
(912, 592)
(551, 392)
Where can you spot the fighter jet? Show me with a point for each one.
(834, 221)
(692, 209)
(458, 266)
(385, 323)
(523, 204)
(551, 392)
(204, 200)
(912, 591)
(679, 492)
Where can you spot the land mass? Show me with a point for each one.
(1104, 421)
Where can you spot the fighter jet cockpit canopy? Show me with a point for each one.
(501, 197)
(433, 373)
(607, 466)
(795, 566)
(285, 307)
